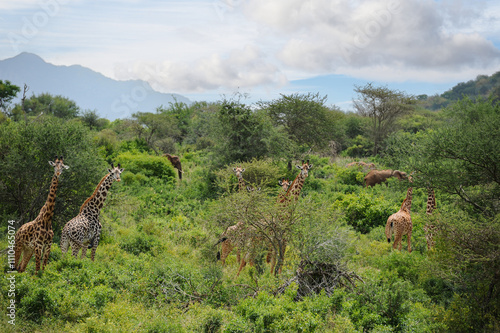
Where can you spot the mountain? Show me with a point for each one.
(111, 99)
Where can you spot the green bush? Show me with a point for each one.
(364, 211)
(138, 243)
(147, 165)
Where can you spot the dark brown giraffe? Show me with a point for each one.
(84, 230)
(176, 162)
(36, 236)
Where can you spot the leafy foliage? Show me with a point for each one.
(156, 268)
(25, 176)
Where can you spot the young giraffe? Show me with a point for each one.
(430, 228)
(84, 230)
(36, 236)
(400, 223)
(232, 233)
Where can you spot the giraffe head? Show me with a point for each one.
(304, 168)
(285, 183)
(239, 172)
(58, 165)
(115, 172)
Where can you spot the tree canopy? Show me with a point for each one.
(383, 106)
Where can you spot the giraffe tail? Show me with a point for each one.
(388, 230)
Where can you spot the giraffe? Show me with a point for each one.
(293, 192)
(232, 233)
(285, 184)
(84, 230)
(36, 236)
(239, 174)
(430, 228)
(291, 196)
(400, 223)
(252, 239)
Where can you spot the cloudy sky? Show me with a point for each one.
(203, 49)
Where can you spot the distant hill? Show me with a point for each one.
(482, 86)
(111, 99)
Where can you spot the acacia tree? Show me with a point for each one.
(383, 106)
(155, 127)
(242, 134)
(304, 117)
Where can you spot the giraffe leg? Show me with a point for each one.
(47, 248)
(46, 254)
(283, 253)
(226, 248)
(27, 253)
(75, 248)
(273, 261)
(18, 251)
(38, 256)
(238, 255)
(64, 242)
(84, 251)
(397, 240)
(242, 265)
(92, 252)
(269, 254)
(409, 241)
(95, 243)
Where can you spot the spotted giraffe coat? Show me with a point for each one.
(400, 223)
(84, 230)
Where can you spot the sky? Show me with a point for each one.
(263, 48)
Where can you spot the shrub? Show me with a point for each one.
(147, 165)
(364, 211)
(138, 243)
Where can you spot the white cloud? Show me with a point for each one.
(196, 46)
(242, 68)
(344, 36)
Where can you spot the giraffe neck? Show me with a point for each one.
(294, 189)
(45, 216)
(93, 205)
(406, 206)
(431, 201)
(241, 184)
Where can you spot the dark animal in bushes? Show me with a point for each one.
(176, 162)
(379, 176)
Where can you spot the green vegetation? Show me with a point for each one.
(156, 267)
